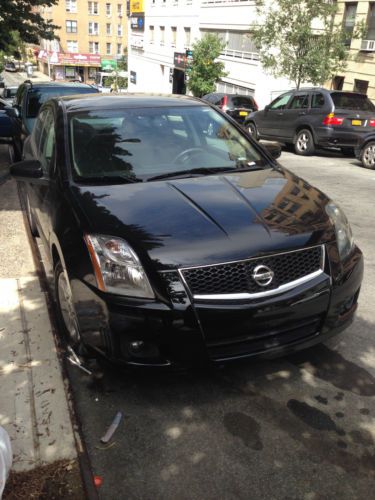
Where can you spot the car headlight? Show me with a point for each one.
(117, 267)
(343, 231)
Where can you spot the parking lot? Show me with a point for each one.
(296, 428)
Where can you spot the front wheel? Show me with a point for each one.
(368, 155)
(252, 130)
(304, 143)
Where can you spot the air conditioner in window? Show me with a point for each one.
(368, 46)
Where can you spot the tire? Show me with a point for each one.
(252, 130)
(304, 143)
(66, 315)
(349, 152)
(368, 155)
(30, 218)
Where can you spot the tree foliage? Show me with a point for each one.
(22, 16)
(205, 71)
(300, 40)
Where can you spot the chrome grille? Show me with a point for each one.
(236, 277)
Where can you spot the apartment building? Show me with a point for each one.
(360, 72)
(161, 31)
(93, 35)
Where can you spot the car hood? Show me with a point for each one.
(205, 220)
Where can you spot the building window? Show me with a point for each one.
(93, 28)
(94, 47)
(338, 82)
(349, 21)
(72, 45)
(108, 9)
(152, 34)
(119, 9)
(371, 22)
(174, 36)
(108, 29)
(71, 26)
(360, 86)
(187, 37)
(93, 8)
(71, 5)
(109, 49)
(119, 30)
(162, 35)
(119, 49)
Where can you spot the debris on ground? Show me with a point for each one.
(57, 481)
(112, 428)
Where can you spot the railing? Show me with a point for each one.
(227, 2)
(240, 54)
(368, 45)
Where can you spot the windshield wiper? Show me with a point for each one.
(111, 179)
(192, 172)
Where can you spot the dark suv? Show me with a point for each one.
(237, 106)
(29, 98)
(309, 118)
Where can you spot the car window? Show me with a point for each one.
(317, 100)
(347, 100)
(242, 102)
(300, 101)
(281, 101)
(146, 142)
(37, 130)
(47, 142)
(38, 96)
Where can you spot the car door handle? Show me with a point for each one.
(302, 113)
(280, 114)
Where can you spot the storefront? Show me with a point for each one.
(70, 66)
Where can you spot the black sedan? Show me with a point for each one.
(175, 238)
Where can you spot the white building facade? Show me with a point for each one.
(161, 34)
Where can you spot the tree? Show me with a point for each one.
(204, 70)
(22, 16)
(122, 64)
(300, 40)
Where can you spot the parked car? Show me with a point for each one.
(9, 93)
(174, 237)
(311, 118)
(10, 66)
(6, 129)
(29, 98)
(237, 106)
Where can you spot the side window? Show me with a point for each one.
(47, 142)
(317, 100)
(37, 130)
(300, 101)
(281, 101)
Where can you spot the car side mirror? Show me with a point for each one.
(266, 108)
(26, 170)
(273, 149)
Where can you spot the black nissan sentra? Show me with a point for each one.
(175, 238)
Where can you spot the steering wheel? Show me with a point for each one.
(184, 155)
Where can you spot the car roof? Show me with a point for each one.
(132, 100)
(41, 85)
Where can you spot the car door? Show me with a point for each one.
(41, 193)
(293, 115)
(268, 121)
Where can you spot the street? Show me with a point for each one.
(296, 428)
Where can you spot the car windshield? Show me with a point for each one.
(146, 143)
(347, 100)
(37, 97)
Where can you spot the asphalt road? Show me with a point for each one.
(302, 427)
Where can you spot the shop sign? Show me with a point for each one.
(108, 65)
(69, 59)
(136, 6)
(179, 60)
(137, 22)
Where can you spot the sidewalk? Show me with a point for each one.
(33, 403)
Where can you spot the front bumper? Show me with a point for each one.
(182, 333)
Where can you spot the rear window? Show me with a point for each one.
(359, 102)
(242, 102)
(37, 97)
